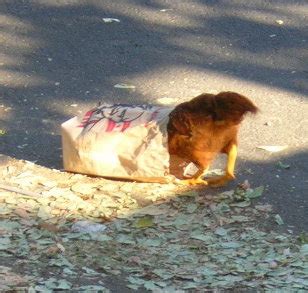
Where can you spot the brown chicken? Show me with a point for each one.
(207, 125)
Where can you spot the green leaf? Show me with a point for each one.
(203, 237)
(64, 285)
(133, 286)
(165, 275)
(207, 272)
(282, 165)
(303, 238)
(223, 207)
(191, 208)
(42, 288)
(221, 231)
(257, 192)
(68, 271)
(304, 249)
(61, 261)
(241, 204)
(230, 245)
(93, 288)
(144, 222)
(278, 220)
(9, 225)
(135, 281)
(5, 243)
(190, 285)
(100, 237)
(150, 242)
(89, 271)
(240, 219)
(150, 285)
(125, 239)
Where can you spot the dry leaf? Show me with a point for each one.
(110, 20)
(166, 101)
(273, 148)
(83, 188)
(22, 213)
(52, 250)
(49, 227)
(124, 86)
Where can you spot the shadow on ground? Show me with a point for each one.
(55, 55)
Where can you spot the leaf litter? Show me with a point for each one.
(145, 233)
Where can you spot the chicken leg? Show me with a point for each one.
(229, 175)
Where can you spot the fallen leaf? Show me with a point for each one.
(273, 148)
(49, 227)
(5, 243)
(144, 222)
(83, 188)
(92, 288)
(61, 247)
(22, 213)
(88, 227)
(110, 20)
(254, 193)
(44, 213)
(221, 231)
(282, 165)
(264, 208)
(52, 250)
(230, 245)
(153, 210)
(304, 249)
(167, 101)
(245, 185)
(278, 220)
(303, 238)
(241, 204)
(124, 86)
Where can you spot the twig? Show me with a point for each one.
(18, 190)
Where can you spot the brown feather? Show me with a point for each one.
(208, 124)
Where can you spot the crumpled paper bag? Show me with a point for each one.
(120, 140)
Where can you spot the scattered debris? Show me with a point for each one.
(282, 165)
(273, 148)
(303, 238)
(18, 190)
(278, 220)
(188, 242)
(110, 20)
(88, 227)
(167, 101)
(124, 86)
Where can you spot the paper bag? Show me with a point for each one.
(123, 141)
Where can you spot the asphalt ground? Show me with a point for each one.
(58, 58)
